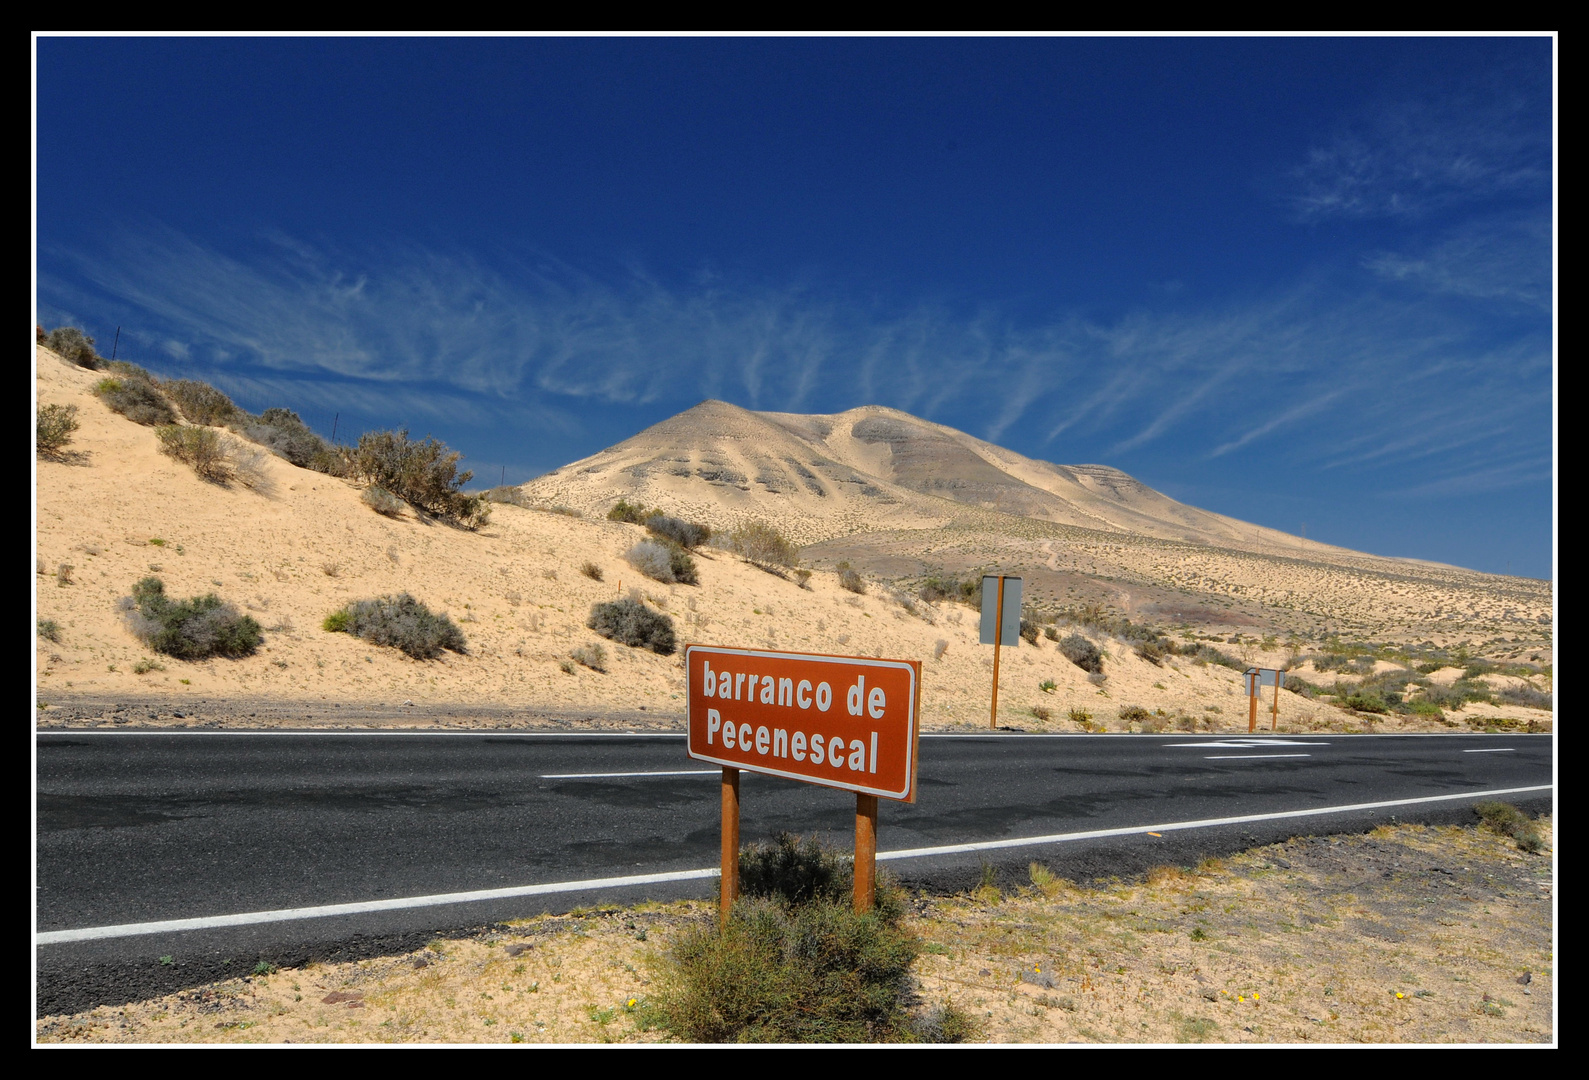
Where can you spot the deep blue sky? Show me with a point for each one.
(1303, 282)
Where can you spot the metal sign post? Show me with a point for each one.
(1257, 679)
(1001, 618)
(847, 722)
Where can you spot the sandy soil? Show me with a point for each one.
(115, 510)
(1405, 935)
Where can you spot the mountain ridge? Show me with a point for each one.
(824, 475)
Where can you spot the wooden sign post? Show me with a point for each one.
(1001, 618)
(847, 722)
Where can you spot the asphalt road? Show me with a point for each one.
(143, 827)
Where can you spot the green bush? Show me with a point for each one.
(53, 426)
(200, 402)
(400, 622)
(72, 344)
(633, 513)
(629, 622)
(796, 870)
(815, 972)
(192, 629)
(965, 591)
(136, 398)
(760, 543)
(424, 473)
(1083, 653)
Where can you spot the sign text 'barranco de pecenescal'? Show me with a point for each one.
(840, 721)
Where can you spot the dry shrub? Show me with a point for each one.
(1508, 820)
(137, 398)
(424, 473)
(686, 534)
(198, 447)
(212, 456)
(1134, 713)
(591, 570)
(400, 622)
(1083, 653)
(663, 562)
(797, 964)
(199, 402)
(591, 656)
(382, 501)
(53, 426)
(72, 344)
(939, 647)
(630, 622)
(191, 629)
(760, 543)
(850, 580)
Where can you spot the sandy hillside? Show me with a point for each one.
(116, 510)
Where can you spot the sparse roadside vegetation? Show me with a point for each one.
(193, 629)
(398, 622)
(1406, 934)
(797, 964)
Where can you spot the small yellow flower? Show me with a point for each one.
(1399, 995)
(1255, 995)
(632, 1002)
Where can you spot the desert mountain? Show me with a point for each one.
(867, 469)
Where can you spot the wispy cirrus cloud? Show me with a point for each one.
(1505, 259)
(1321, 376)
(1412, 157)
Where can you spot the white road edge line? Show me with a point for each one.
(594, 775)
(1493, 750)
(93, 933)
(1247, 757)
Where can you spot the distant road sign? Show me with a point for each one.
(1010, 631)
(1264, 677)
(839, 721)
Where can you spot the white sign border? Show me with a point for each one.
(913, 720)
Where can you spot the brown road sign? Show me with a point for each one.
(846, 722)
